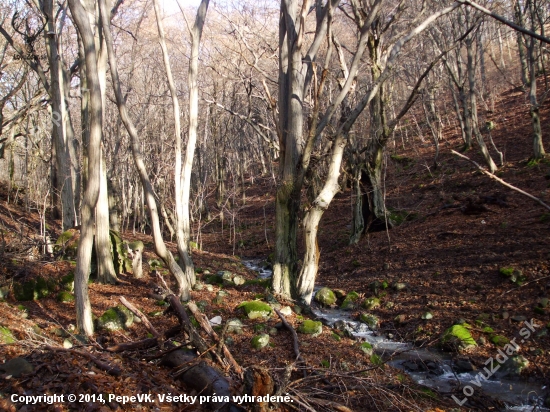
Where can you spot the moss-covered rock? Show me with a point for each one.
(115, 318)
(499, 340)
(371, 320)
(43, 288)
(366, 348)
(4, 292)
(260, 341)
(515, 275)
(67, 282)
(371, 303)
(24, 291)
(65, 296)
(513, 366)
(325, 297)
(6, 336)
(350, 302)
(311, 327)
(235, 326)
(136, 245)
(67, 243)
(457, 336)
(255, 309)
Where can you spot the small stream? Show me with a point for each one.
(431, 368)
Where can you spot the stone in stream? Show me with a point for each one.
(463, 365)
(325, 297)
(350, 302)
(513, 366)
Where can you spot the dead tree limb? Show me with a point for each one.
(498, 179)
(140, 344)
(196, 340)
(208, 328)
(295, 341)
(140, 315)
(111, 370)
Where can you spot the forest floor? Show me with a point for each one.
(458, 229)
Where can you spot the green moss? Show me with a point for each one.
(115, 318)
(42, 288)
(259, 327)
(366, 348)
(136, 245)
(256, 309)
(213, 280)
(376, 360)
(488, 329)
(369, 319)
(260, 341)
(24, 291)
(325, 297)
(336, 337)
(499, 340)
(264, 283)
(458, 335)
(67, 282)
(6, 337)
(507, 271)
(65, 296)
(350, 302)
(371, 303)
(311, 327)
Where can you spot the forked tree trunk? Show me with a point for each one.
(160, 247)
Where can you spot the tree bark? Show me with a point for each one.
(91, 194)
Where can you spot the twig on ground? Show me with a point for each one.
(295, 341)
(525, 284)
(111, 370)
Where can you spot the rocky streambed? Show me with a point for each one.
(499, 378)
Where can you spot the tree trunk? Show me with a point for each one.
(65, 184)
(473, 106)
(105, 267)
(306, 279)
(360, 206)
(91, 194)
(538, 148)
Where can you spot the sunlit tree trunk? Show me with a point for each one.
(84, 253)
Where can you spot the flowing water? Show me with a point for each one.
(430, 368)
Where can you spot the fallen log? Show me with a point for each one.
(203, 378)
